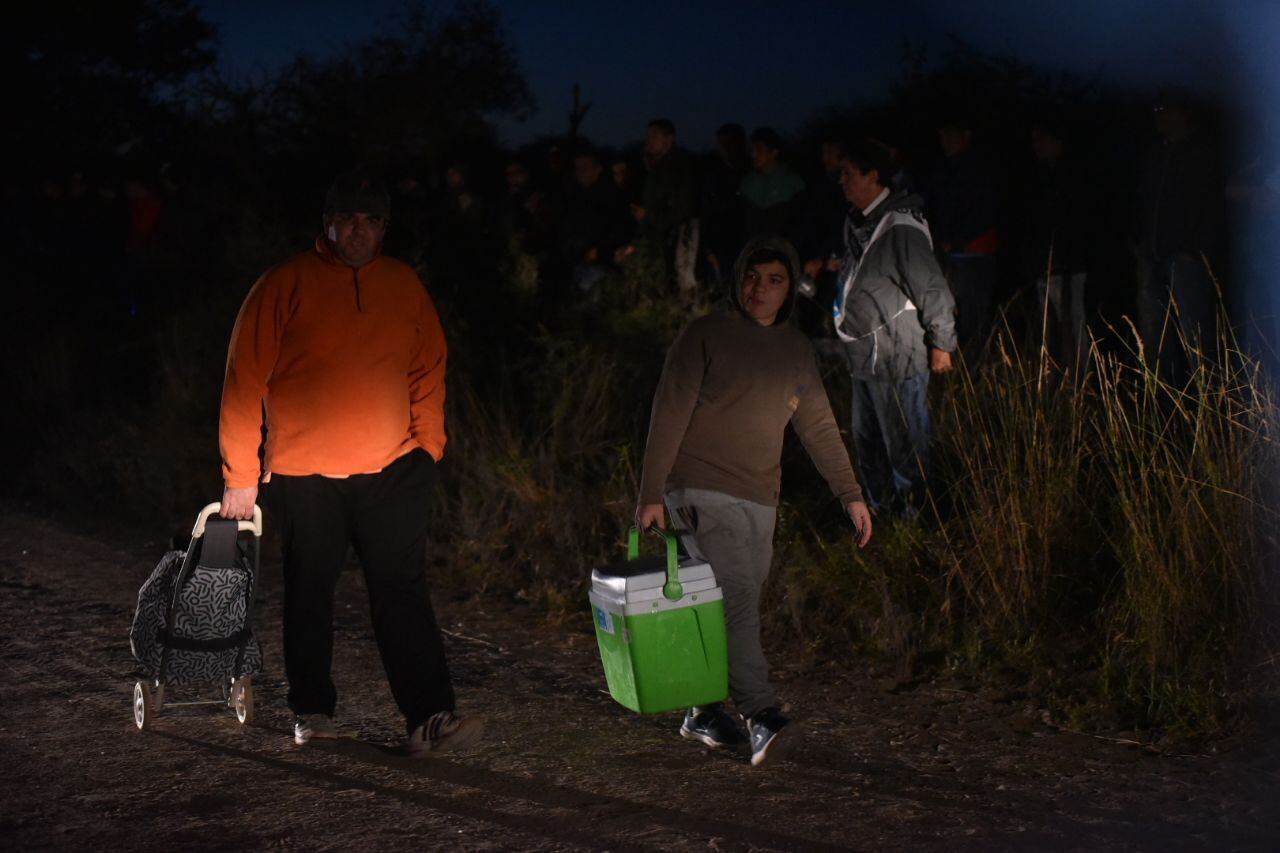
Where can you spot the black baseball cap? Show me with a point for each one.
(358, 192)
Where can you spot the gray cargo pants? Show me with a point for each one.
(736, 537)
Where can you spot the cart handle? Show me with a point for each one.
(215, 507)
(672, 589)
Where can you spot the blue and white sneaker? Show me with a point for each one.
(711, 725)
(771, 740)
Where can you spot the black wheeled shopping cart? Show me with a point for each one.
(194, 622)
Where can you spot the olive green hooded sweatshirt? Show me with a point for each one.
(728, 390)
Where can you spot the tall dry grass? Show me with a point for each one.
(545, 452)
(1117, 521)
(1103, 533)
(1189, 462)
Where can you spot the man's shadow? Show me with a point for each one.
(600, 816)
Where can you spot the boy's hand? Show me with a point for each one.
(861, 518)
(648, 515)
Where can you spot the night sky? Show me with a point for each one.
(778, 63)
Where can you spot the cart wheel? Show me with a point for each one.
(143, 708)
(242, 700)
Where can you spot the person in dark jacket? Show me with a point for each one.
(666, 223)
(1180, 211)
(515, 212)
(770, 191)
(895, 313)
(822, 215)
(593, 223)
(820, 239)
(720, 209)
(962, 213)
(1053, 247)
(732, 382)
(669, 197)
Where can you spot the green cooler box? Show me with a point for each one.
(660, 625)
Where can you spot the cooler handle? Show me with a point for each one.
(672, 589)
(213, 508)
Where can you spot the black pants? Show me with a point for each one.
(384, 516)
(973, 283)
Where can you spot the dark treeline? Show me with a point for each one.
(149, 194)
(138, 157)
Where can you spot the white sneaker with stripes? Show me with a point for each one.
(444, 732)
(308, 727)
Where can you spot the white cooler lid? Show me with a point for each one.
(642, 579)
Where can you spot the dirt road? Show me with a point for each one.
(901, 767)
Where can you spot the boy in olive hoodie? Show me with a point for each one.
(732, 382)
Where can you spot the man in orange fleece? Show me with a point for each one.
(343, 349)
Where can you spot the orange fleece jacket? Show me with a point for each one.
(350, 364)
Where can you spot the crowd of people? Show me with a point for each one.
(904, 260)
(1043, 227)
(560, 217)
(905, 263)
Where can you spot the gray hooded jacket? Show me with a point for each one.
(892, 303)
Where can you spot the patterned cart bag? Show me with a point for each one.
(193, 622)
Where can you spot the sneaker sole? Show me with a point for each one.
(302, 741)
(464, 736)
(706, 740)
(777, 749)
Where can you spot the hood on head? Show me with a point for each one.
(777, 245)
(904, 200)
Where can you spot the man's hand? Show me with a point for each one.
(861, 518)
(939, 361)
(623, 252)
(813, 268)
(648, 515)
(638, 213)
(238, 503)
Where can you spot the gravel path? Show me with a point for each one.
(919, 766)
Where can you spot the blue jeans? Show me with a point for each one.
(891, 432)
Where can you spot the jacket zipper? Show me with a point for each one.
(355, 278)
